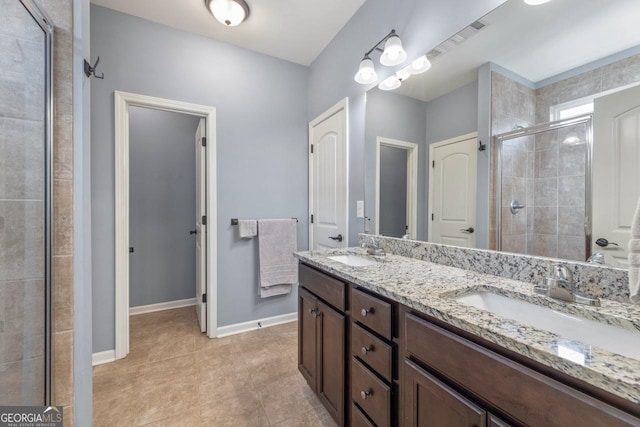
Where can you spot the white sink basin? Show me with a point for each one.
(608, 337)
(352, 260)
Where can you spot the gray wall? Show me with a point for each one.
(453, 114)
(262, 120)
(394, 116)
(162, 206)
(393, 191)
(421, 24)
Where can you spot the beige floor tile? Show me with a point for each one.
(176, 376)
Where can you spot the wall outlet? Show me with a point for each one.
(360, 209)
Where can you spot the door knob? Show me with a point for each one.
(338, 238)
(469, 230)
(603, 243)
(193, 231)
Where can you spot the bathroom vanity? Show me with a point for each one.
(395, 342)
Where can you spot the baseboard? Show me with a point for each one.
(142, 309)
(238, 328)
(103, 357)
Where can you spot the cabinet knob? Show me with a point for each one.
(366, 311)
(366, 350)
(365, 394)
(313, 312)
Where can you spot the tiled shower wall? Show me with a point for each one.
(19, 214)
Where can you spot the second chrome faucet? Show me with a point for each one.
(561, 286)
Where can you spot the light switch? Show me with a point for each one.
(360, 209)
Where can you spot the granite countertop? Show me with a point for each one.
(429, 288)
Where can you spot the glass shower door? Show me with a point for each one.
(25, 96)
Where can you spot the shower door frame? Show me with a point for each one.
(47, 27)
(498, 140)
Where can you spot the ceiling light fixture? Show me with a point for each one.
(392, 54)
(228, 12)
(536, 2)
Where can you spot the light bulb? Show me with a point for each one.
(390, 83)
(366, 72)
(393, 53)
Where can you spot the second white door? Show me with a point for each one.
(328, 179)
(201, 225)
(452, 191)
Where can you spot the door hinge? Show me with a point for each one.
(204, 220)
(204, 298)
(204, 141)
(433, 163)
(311, 218)
(311, 148)
(432, 217)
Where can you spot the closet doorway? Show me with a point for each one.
(204, 212)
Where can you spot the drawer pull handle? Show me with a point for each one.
(314, 312)
(365, 394)
(366, 311)
(366, 350)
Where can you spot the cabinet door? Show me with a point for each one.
(432, 403)
(331, 360)
(307, 337)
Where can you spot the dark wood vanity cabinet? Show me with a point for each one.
(322, 340)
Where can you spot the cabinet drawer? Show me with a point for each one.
(358, 419)
(520, 392)
(371, 312)
(326, 287)
(372, 350)
(370, 394)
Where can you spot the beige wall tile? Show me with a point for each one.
(63, 368)
(62, 217)
(63, 293)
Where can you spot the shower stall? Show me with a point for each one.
(25, 203)
(543, 189)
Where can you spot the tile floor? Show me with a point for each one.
(176, 376)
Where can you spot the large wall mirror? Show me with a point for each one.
(557, 175)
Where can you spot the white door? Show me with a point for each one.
(452, 191)
(201, 227)
(328, 179)
(616, 172)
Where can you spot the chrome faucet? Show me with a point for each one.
(372, 245)
(562, 287)
(597, 258)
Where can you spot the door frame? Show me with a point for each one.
(122, 102)
(412, 182)
(432, 147)
(341, 106)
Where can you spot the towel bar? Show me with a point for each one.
(234, 221)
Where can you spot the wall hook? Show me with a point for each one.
(481, 146)
(91, 71)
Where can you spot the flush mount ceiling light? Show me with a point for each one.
(392, 54)
(536, 2)
(228, 12)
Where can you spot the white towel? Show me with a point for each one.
(278, 267)
(247, 228)
(634, 258)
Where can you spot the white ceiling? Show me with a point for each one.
(293, 30)
(536, 42)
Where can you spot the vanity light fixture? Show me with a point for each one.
(392, 54)
(536, 2)
(390, 83)
(418, 65)
(228, 12)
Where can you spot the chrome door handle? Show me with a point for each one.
(193, 231)
(469, 230)
(603, 243)
(338, 238)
